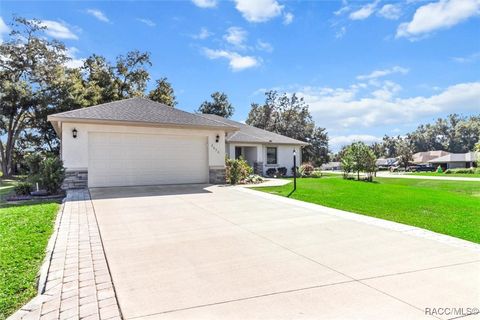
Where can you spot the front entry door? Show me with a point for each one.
(238, 152)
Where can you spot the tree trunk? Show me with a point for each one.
(14, 129)
(4, 161)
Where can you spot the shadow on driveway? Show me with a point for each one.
(148, 191)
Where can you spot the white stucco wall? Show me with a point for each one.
(284, 155)
(75, 151)
(457, 165)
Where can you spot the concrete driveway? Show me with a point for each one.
(212, 252)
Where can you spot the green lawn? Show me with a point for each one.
(434, 174)
(448, 207)
(6, 187)
(24, 233)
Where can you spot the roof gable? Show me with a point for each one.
(456, 157)
(250, 134)
(138, 110)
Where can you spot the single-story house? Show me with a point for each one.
(331, 166)
(456, 160)
(426, 156)
(141, 142)
(386, 163)
(260, 148)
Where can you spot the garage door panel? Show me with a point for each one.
(122, 159)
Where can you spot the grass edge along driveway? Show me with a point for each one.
(24, 233)
(447, 207)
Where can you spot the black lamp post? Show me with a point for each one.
(294, 170)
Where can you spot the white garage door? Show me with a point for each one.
(125, 159)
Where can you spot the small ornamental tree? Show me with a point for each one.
(370, 165)
(358, 157)
(347, 164)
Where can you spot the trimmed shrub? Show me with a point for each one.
(271, 172)
(50, 174)
(461, 170)
(23, 188)
(316, 174)
(282, 171)
(237, 170)
(439, 169)
(306, 169)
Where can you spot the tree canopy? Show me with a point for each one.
(454, 134)
(163, 93)
(358, 157)
(219, 105)
(36, 81)
(289, 115)
(28, 66)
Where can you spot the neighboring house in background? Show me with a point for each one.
(386, 163)
(456, 160)
(331, 166)
(425, 157)
(141, 142)
(260, 148)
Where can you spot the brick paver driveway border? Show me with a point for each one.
(75, 281)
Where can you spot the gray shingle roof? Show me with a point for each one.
(426, 156)
(456, 157)
(252, 134)
(140, 110)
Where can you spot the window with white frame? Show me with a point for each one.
(271, 155)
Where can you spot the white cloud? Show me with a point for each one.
(203, 34)
(148, 22)
(258, 10)
(288, 18)
(364, 12)
(264, 46)
(438, 15)
(467, 59)
(3, 29)
(382, 73)
(58, 30)
(390, 11)
(74, 62)
(362, 105)
(236, 61)
(336, 142)
(236, 36)
(205, 3)
(98, 14)
(343, 9)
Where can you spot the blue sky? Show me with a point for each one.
(366, 68)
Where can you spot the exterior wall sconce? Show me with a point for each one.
(74, 133)
(217, 138)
